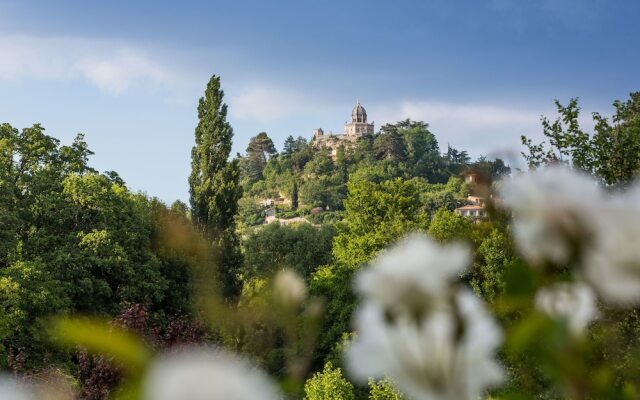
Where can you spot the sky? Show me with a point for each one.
(480, 72)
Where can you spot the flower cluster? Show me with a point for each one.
(554, 211)
(433, 339)
(560, 214)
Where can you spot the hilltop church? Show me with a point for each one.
(357, 128)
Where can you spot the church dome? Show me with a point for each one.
(359, 114)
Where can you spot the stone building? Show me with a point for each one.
(354, 130)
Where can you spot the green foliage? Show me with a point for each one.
(328, 385)
(214, 184)
(333, 283)
(75, 241)
(250, 213)
(325, 217)
(376, 215)
(310, 176)
(447, 225)
(423, 157)
(300, 247)
(384, 390)
(612, 152)
(389, 144)
(494, 170)
(259, 150)
(294, 195)
(496, 255)
(449, 196)
(323, 191)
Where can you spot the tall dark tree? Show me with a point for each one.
(289, 146)
(294, 195)
(298, 151)
(492, 170)
(389, 144)
(214, 184)
(259, 150)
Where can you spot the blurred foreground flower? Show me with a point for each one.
(415, 271)
(12, 389)
(554, 211)
(199, 373)
(289, 288)
(574, 302)
(613, 266)
(560, 214)
(434, 340)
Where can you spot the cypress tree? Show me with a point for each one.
(294, 196)
(214, 184)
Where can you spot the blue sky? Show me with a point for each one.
(129, 74)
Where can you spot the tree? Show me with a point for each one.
(491, 170)
(389, 144)
(298, 152)
(74, 240)
(323, 191)
(456, 161)
(495, 253)
(214, 184)
(321, 164)
(328, 385)
(448, 196)
(289, 146)
(423, 154)
(294, 195)
(301, 248)
(259, 150)
(447, 225)
(376, 215)
(384, 390)
(612, 152)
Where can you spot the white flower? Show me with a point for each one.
(11, 389)
(416, 269)
(434, 341)
(447, 354)
(612, 266)
(289, 288)
(203, 373)
(576, 303)
(554, 209)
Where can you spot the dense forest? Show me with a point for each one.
(76, 241)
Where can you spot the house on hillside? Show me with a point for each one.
(475, 209)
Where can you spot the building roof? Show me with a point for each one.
(359, 114)
(471, 207)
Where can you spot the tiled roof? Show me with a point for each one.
(470, 207)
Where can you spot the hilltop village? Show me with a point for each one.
(308, 180)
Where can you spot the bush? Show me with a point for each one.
(329, 384)
(383, 390)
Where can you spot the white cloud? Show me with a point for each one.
(111, 66)
(264, 103)
(466, 114)
(118, 72)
